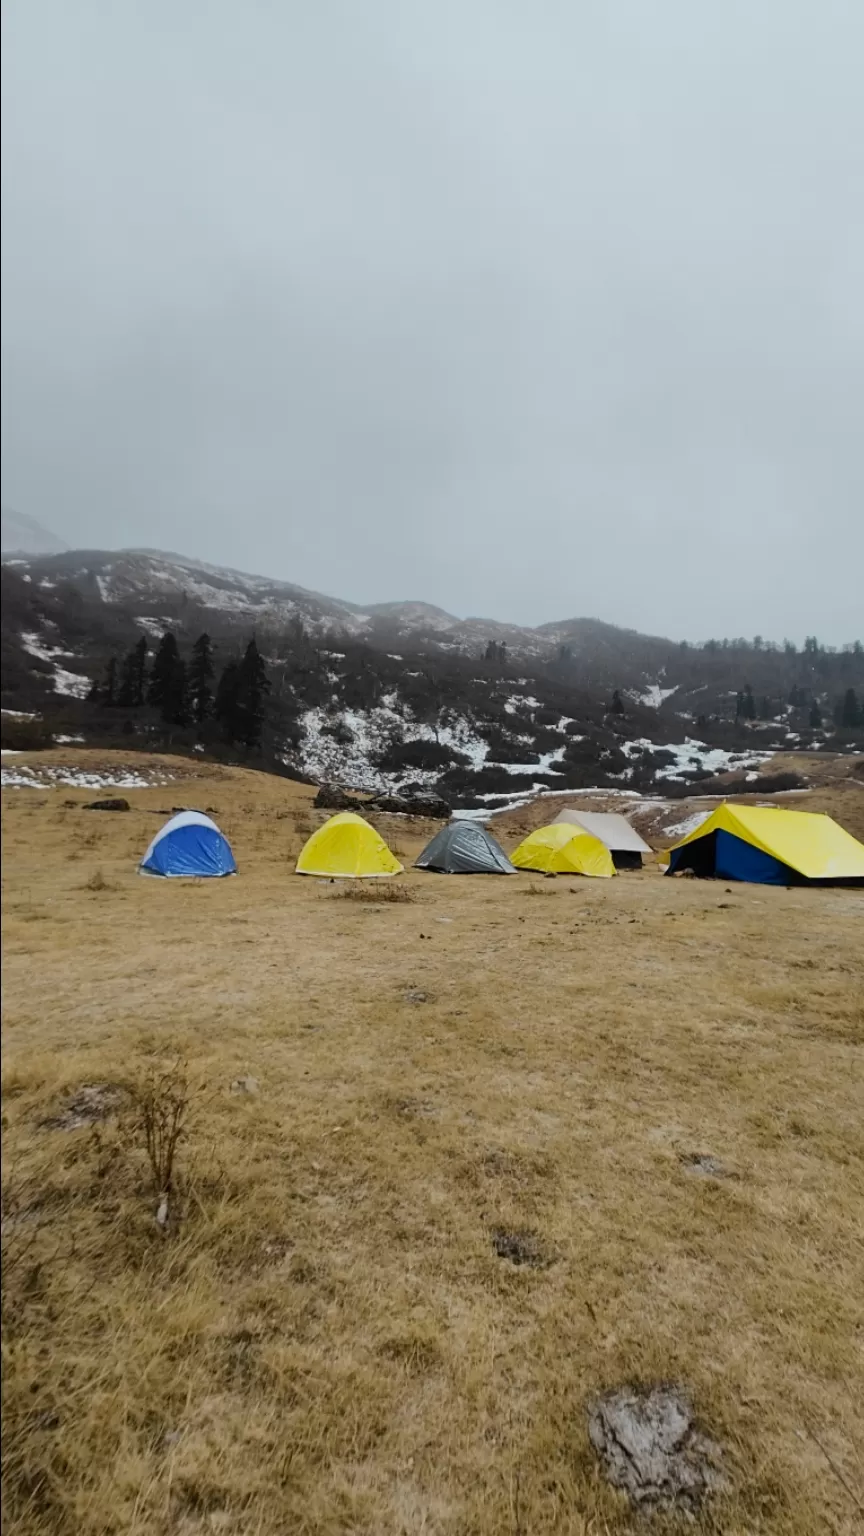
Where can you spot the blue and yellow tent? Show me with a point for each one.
(769, 846)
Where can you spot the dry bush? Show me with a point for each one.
(159, 1120)
(538, 890)
(391, 894)
(97, 882)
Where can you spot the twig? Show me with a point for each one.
(834, 1468)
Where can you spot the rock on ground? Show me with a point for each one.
(649, 1446)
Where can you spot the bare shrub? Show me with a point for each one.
(160, 1116)
(97, 882)
(391, 894)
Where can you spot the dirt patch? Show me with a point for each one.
(413, 1109)
(519, 1247)
(650, 1447)
(88, 1105)
(704, 1165)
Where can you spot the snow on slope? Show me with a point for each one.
(690, 754)
(50, 776)
(73, 685)
(654, 695)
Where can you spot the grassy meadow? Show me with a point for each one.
(383, 1102)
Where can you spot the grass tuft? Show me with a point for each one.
(375, 893)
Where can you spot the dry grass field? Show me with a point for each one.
(323, 1336)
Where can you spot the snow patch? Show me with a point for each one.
(72, 684)
(654, 695)
(691, 754)
(49, 777)
(154, 628)
(353, 763)
(689, 824)
(35, 646)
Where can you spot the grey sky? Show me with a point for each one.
(343, 293)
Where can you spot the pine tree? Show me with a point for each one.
(200, 678)
(765, 709)
(133, 677)
(168, 691)
(617, 703)
(106, 691)
(815, 716)
(850, 715)
(749, 703)
(253, 685)
(739, 706)
(176, 709)
(225, 704)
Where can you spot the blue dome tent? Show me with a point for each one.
(188, 844)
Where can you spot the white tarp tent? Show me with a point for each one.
(615, 831)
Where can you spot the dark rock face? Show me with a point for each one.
(117, 803)
(424, 804)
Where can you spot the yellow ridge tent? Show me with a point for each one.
(563, 849)
(347, 848)
(769, 846)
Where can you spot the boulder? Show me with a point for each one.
(116, 803)
(424, 804)
(331, 798)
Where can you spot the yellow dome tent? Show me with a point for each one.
(347, 848)
(563, 849)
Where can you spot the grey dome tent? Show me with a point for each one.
(464, 848)
(615, 831)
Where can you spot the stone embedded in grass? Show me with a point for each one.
(89, 1104)
(519, 1247)
(245, 1085)
(650, 1447)
(114, 803)
(414, 995)
(704, 1164)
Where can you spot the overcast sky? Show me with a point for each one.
(530, 310)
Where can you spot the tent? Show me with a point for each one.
(769, 846)
(465, 848)
(614, 831)
(562, 849)
(346, 847)
(189, 844)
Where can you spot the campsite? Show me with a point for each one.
(458, 1156)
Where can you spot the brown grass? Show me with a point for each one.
(375, 892)
(395, 1274)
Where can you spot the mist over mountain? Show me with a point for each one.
(22, 535)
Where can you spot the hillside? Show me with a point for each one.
(403, 695)
(453, 1166)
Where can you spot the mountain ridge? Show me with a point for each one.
(405, 693)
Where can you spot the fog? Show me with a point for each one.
(529, 311)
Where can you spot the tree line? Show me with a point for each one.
(183, 693)
(847, 713)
